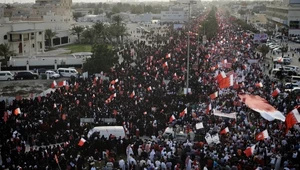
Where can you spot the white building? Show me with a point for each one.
(27, 36)
(94, 18)
(24, 38)
(175, 14)
(147, 17)
(285, 14)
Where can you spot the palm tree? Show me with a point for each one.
(100, 31)
(77, 30)
(49, 34)
(120, 28)
(5, 52)
(88, 35)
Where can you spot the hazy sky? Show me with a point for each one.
(26, 1)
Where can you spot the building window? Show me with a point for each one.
(40, 33)
(5, 37)
(32, 33)
(32, 45)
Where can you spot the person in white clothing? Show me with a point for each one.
(122, 164)
(188, 163)
(151, 156)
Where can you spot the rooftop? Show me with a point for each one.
(25, 31)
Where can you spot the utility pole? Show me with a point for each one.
(188, 46)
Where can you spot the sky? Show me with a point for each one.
(27, 1)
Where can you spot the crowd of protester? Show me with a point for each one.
(142, 98)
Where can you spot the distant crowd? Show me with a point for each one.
(148, 96)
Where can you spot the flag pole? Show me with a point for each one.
(56, 160)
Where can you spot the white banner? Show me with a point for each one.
(228, 115)
(208, 139)
(215, 138)
(199, 125)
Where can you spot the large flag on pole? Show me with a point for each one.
(262, 106)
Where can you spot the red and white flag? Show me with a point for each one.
(249, 151)
(114, 81)
(208, 109)
(259, 84)
(54, 84)
(226, 82)
(17, 111)
(184, 112)
(81, 142)
(62, 83)
(132, 94)
(172, 118)
(214, 95)
(168, 55)
(221, 76)
(224, 131)
(292, 118)
(262, 106)
(275, 92)
(262, 135)
(165, 64)
(149, 88)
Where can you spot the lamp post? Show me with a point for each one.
(188, 46)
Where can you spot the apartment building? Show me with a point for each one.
(286, 14)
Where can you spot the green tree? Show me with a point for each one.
(77, 30)
(49, 34)
(264, 49)
(5, 52)
(88, 36)
(115, 10)
(101, 32)
(103, 59)
(118, 28)
(77, 15)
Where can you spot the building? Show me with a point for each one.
(258, 19)
(84, 11)
(94, 18)
(147, 17)
(24, 38)
(285, 14)
(26, 34)
(59, 7)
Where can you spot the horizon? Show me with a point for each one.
(84, 1)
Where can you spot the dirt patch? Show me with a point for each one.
(23, 88)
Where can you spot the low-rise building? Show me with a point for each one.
(94, 18)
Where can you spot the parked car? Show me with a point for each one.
(52, 74)
(67, 72)
(41, 71)
(6, 75)
(26, 75)
(295, 68)
(290, 86)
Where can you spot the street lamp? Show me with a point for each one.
(188, 46)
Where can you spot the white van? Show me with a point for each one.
(6, 75)
(67, 72)
(106, 131)
(295, 79)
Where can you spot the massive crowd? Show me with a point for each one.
(142, 101)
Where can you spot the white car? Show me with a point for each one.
(52, 74)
